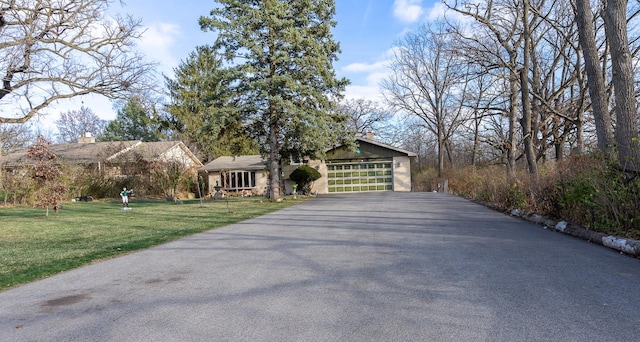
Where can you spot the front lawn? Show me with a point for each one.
(33, 246)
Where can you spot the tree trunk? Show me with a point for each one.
(440, 151)
(513, 121)
(558, 139)
(476, 137)
(274, 162)
(580, 133)
(596, 85)
(626, 108)
(527, 130)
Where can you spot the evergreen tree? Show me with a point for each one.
(284, 53)
(133, 122)
(202, 108)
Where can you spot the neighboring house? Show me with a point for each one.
(237, 173)
(113, 158)
(373, 166)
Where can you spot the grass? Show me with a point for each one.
(33, 246)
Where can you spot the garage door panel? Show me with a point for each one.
(376, 176)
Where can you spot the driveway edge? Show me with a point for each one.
(627, 246)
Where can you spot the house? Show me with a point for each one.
(237, 173)
(373, 166)
(113, 158)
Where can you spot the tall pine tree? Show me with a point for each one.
(203, 107)
(133, 123)
(284, 52)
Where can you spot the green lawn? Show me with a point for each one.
(33, 246)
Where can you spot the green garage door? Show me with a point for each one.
(375, 176)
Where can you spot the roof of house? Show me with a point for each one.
(93, 152)
(373, 142)
(232, 163)
(257, 162)
(367, 149)
(152, 150)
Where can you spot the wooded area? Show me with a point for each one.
(542, 87)
(514, 80)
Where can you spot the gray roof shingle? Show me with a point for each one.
(93, 152)
(231, 163)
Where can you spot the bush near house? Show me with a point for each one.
(304, 176)
(102, 169)
(159, 180)
(18, 187)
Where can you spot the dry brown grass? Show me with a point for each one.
(586, 190)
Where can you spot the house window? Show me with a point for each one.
(239, 180)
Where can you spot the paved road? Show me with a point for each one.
(371, 267)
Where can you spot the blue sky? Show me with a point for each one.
(366, 30)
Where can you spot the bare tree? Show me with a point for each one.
(480, 100)
(533, 47)
(596, 84)
(366, 116)
(428, 81)
(75, 123)
(626, 107)
(421, 141)
(494, 42)
(57, 49)
(558, 93)
(53, 50)
(526, 121)
(15, 136)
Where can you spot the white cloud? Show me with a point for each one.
(364, 67)
(366, 78)
(439, 11)
(367, 92)
(160, 36)
(407, 11)
(157, 42)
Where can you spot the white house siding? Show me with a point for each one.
(177, 154)
(401, 174)
(320, 185)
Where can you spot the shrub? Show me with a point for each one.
(515, 197)
(602, 198)
(422, 179)
(304, 176)
(47, 176)
(587, 190)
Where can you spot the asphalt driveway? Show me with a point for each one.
(370, 267)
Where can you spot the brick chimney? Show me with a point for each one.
(370, 135)
(87, 138)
